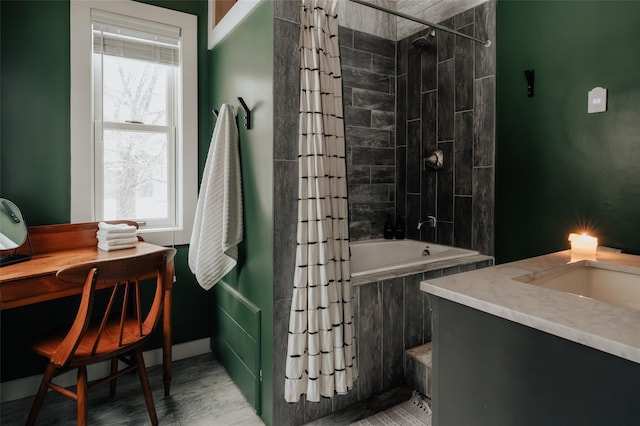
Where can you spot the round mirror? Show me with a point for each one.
(13, 231)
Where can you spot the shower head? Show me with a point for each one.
(421, 43)
(424, 42)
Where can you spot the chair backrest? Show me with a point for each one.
(123, 278)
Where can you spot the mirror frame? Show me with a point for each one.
(12, 255)
(231, 19)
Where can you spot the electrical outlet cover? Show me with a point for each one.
(597, 100)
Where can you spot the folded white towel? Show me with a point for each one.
(116, 227)
(106, 236)
(108, 247)
(118, 243)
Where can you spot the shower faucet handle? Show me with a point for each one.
(434, 160)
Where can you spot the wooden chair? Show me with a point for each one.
(115, 332)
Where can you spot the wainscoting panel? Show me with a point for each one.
(237, 337)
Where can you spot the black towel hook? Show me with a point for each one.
(529, 74)
(247, 113)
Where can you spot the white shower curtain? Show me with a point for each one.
(321, 356)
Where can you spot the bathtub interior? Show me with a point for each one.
(373, 256)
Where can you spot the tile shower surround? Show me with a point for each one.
(446, 101)
(381, 294)
(369, 84)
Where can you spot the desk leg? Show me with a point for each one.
(166, 328)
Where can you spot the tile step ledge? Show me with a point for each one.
(417, 371)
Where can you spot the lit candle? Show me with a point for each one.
(583, 246)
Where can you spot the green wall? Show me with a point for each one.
(35, 159)
(559, 169)
(34, 131)
(242, 66)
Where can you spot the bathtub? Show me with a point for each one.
(376, 256)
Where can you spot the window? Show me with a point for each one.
(134, 98)
(135, 103)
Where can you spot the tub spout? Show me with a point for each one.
(431, 221)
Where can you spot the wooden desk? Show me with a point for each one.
(55, 246)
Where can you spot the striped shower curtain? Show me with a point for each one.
(321, 356)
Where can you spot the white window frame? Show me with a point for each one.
(82, 141)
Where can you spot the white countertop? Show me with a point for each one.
(609, 328)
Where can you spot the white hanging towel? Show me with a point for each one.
(217, 228)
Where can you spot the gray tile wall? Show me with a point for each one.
(358, 17)
(446, 101)
(286, 86)
(368, 79)
(393, 315)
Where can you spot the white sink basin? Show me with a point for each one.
(591, 279)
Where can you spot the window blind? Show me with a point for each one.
(134, 38)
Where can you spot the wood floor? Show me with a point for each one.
(201, 394)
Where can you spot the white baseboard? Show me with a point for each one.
(28, 386)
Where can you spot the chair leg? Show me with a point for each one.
(42, 392)
(81, 391)
(113, 382)
(146, 387)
